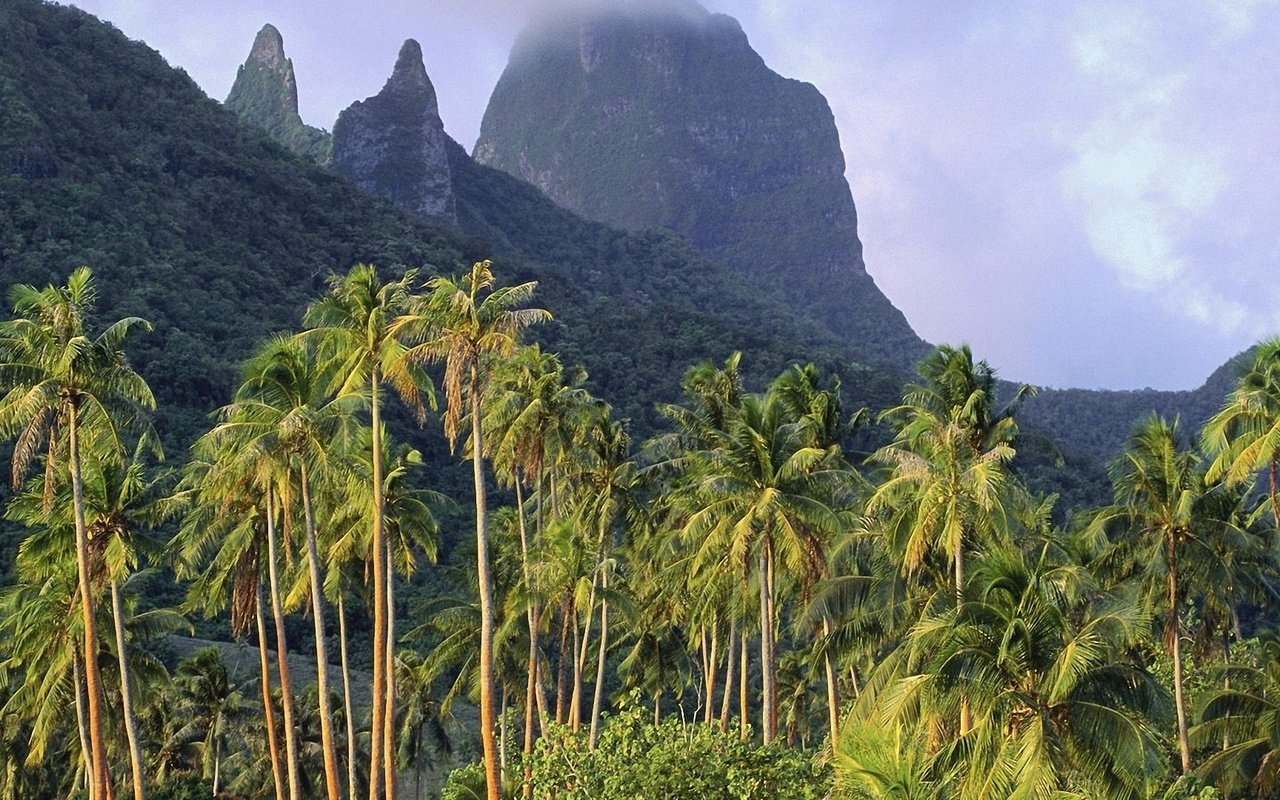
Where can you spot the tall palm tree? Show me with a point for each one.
(1244, 437)
(283, 407)
(362, 325)
(470, 325)
(532, 415)
(761, 495)
(1157, 531)
(57, 376)
(227, 543)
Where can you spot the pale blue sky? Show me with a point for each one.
(1085, 192)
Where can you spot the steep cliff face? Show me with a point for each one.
(266, 94)
(670, 119)
(393, 144)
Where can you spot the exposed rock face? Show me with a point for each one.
(393, 144)
(266, 94)
(669, 119)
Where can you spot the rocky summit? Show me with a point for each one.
(266, 94)
(668, 118)
(393, 144)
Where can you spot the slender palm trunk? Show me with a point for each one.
(282, 656)
(269, 716)
(598, 701)
(502, 736)
(389, 715)
(768, 649)
(537, 627)
(346, 698)
(562, 672)
(217, 763)
(575, 718)
(102, 788)
(744, 719)
(966, 721)
(126, 697)
(82, 727)
(331, 780)
(712, 668)
(1184, 745)
(531, 672)
(833, 688)
(730, 660)
(493, 788)
(377, 547)
(580, 657)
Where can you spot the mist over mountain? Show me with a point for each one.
(668, 119)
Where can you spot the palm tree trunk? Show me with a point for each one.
(580, 663)
(502, 735)
(217, 763)
(562, 669)
(1184, 745)
(269, 716)
(768, 662)
(82, 727)
(493, 788)
(389, 715)
(1273, 489)
(346, 698)
(711, 669)
(600, 659)
(575, 716)
(282, 656)
(377, 547)
(743, 706)
(331, 780)
(833, 688)
(102, 788)
(126, 697)
(730, 659)
(966, 721)
(531, 676)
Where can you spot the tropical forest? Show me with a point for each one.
(351, 464)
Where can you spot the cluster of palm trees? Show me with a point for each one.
(914, 613)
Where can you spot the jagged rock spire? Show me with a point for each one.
(266, 94)
(394, 145)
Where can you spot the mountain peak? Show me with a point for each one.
(268, 49)
(393, 144)
(265, 94)
(666, 117)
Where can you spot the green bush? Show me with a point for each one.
(636, 760)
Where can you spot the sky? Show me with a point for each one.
(1085, 192)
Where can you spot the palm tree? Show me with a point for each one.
(1042, 662)
(210, 702)
(532, 415)
(282, 407)
(227, 542)
(56, 376)
(1157, 529)
(471, 324)
(362, 324)
(1244, 437)
(761, 494)
(1245, 713)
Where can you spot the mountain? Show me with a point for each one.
(667, 118)
(393, 144)
(266, 92)
(219, 236)
(1095, 423)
